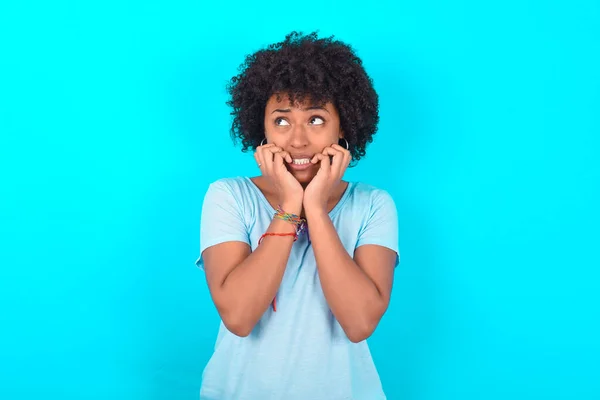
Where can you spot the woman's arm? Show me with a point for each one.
(242, 283)
(357, 290)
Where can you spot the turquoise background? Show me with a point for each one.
(113, 122)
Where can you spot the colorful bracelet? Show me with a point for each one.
(293, 218)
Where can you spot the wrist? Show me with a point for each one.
(292, 207)
(314, 208)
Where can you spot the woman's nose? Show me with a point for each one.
(299, 137)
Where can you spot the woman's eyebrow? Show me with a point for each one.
(285, 110)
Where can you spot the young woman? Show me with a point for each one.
(299, 262)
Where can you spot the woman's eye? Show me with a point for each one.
(281, 121)
(317, 121)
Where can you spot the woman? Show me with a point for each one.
(299, 263)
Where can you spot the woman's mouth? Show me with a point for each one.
(300, 164)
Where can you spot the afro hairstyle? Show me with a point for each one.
(304, 66)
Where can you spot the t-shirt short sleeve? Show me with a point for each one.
(381, 227)
(221, 219)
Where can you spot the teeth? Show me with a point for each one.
(301, 161)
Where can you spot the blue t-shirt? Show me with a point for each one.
(300, 351)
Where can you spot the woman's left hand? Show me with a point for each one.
(322, 186)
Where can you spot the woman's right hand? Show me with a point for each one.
(270, 159)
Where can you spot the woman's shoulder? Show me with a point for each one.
(367, 199)
(232, 183)
(234, 193)
(366, 191)
(239, 188)
(371, 204)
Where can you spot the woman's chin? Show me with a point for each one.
(304, 177)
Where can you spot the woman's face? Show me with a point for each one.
(302, 130)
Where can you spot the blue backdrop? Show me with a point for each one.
(113, 122)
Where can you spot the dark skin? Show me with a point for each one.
(272, 197)
(292, 131)
(243, 282)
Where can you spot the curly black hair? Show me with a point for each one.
(305, 66)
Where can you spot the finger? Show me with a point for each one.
(267, 151)
(273, 149)
(268, 154)
(329, 150)
(260, 152)
(347, 155)
(261, 149)
(317, 158)
(270, 157)
(338, 164)
(278, 162)
(336, 161)
(286, 156)
(260, 161)
(276, 149)
(342, 149)
(325, 168)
